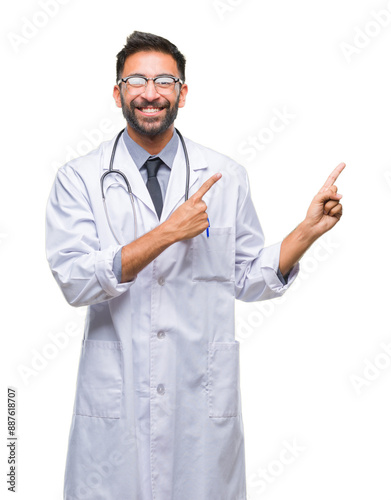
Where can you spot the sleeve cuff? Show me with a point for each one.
(270, 259)
(105, 274)
(281, 277)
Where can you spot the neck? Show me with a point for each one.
(152, 144)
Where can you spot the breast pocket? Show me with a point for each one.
(100, 379)
(214, 257)
(223, 379)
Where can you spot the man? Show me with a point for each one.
(157, 413)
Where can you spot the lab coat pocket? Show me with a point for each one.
(99, 382)
(214, 257)
(223, 379)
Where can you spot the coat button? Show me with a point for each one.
(161, 335)
(161, 281)
(160, 389)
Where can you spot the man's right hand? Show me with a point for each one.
(185, 222)
(191, 219)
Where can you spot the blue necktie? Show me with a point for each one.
(153, 185)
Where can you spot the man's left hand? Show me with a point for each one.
(325, 209)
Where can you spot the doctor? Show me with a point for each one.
(157, 411)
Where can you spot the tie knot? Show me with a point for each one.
(153, 165)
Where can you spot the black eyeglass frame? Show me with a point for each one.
(176, 80)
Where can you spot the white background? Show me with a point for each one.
(298, 355)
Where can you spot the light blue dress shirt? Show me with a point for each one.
(167, 155)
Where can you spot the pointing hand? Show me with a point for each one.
(191, 219)
(325, 209)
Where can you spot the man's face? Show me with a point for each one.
(150, 113)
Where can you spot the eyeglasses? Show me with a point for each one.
(137, 84)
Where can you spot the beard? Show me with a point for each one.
(149, 126)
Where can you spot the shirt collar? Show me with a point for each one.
(140, 156)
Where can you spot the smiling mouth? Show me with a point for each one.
(149, 110)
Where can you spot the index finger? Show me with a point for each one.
(332, 177)
(207, 185)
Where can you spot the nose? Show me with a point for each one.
(150, 92)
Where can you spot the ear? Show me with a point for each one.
(182, 95)
(117, 96)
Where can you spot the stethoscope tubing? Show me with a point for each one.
(112, 170)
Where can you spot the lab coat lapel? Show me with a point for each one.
(177, 184)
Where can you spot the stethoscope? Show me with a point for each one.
(114, 171)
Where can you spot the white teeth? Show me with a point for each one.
(150, 110)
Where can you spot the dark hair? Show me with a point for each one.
(139, 41)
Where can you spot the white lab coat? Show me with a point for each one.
(157, 412)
